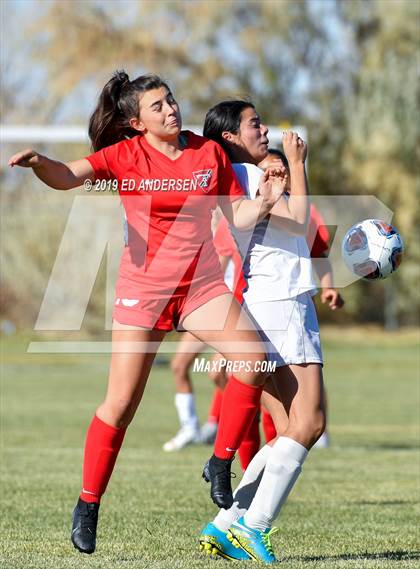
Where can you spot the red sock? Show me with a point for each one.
(239, 407)
(251, 443)
(215, 406)
(102, 446)
(268, 425)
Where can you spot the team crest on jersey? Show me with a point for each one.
(203, 177)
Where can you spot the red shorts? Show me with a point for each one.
(148, 312)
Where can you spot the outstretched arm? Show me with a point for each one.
(292, 214)
(57, 175)
(244, 213)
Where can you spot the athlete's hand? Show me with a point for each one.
(294, 148)
(333, 297)
(26, 158)
(278, 169)
(273, 183)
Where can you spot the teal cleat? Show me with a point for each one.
(254, 542)
(215, 543)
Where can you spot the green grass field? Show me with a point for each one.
(354, 506)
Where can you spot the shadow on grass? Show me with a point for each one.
(377, 447)
(394, 555)
(397, 446)
(384, 502)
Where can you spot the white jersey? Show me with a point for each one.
(277, 265)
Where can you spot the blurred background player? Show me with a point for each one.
(318, 238)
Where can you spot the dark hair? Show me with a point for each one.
(225, 116)
(117, 104)
(279, 154)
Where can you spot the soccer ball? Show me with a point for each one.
(372, 249)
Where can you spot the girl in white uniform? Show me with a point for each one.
(277, 268)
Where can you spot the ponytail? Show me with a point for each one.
(117, 104)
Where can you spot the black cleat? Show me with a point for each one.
(85, 520)
(217, 471)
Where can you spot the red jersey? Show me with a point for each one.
(168, 206)
(226, 247)
(318, 236)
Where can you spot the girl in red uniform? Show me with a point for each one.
(169, 182)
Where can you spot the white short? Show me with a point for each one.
(289, 329)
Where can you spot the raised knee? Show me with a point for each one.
(309, 430)
(218, 378)
(250, 369)
(316, 427)
(178, 367)
(119, 412)
(259, 369)
(175, 366)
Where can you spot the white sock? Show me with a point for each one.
(281, 472)
(185, 405)
(245, 491)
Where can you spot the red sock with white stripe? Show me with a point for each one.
(239, 407)
(103, 443)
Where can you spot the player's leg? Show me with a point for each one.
(324, 439)
(251, 478)
(214, 537)
(187, 350)
(133, 352)
(274, 408)
(300, 393)
(239, 343)
(218, 374)
(250, 444)
(268, 426)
